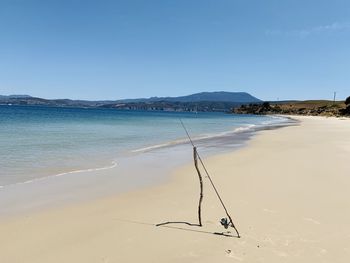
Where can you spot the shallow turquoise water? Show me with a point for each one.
(41, 141)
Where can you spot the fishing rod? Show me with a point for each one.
(223, 221)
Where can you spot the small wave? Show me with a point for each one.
(114, 164)
(195, 138)
(243, 129)
(157, 146)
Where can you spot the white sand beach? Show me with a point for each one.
(288, 192)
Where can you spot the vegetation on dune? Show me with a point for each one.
(346, 111)
(310, 107)
(347, 101)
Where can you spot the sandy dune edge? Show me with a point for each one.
(288, 192)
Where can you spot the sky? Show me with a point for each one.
(82, 49)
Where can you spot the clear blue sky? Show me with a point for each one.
(286, 49)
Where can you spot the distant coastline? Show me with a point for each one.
(219, 101)
(230, 102)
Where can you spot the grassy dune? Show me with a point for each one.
(307, 107)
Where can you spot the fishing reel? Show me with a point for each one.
(225, 222)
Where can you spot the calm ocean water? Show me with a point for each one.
(37, 142)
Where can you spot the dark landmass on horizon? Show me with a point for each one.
(204, 101)
(234, 102)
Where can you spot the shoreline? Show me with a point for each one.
(274, 188)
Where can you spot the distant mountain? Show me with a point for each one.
(217, 96)
(204, 101)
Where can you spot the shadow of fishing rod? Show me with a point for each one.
(177, 222)
(227, 234)
(164, 225)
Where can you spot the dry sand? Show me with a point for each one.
(288, 192)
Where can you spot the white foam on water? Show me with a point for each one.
(114, 164)
(196, 138)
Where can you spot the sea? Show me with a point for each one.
(52, 156)
(38, 142)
